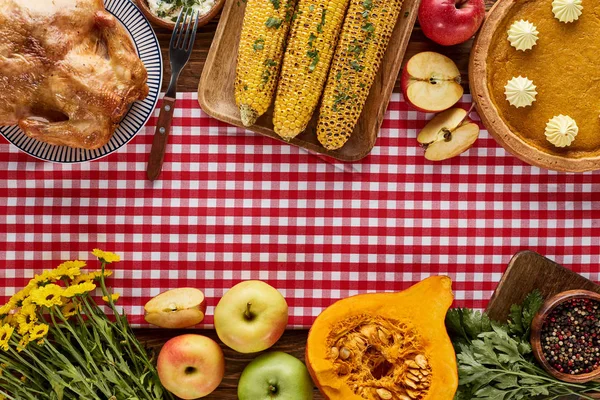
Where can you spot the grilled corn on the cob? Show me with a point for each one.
(365, 35)
(314, 32)
(264, 30)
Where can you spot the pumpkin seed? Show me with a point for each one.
(412, 364)
(424, 372)
(360, 342)
(412, 377)
(415, 372)
(335, 352)
(412, 394)
(421, 361)
(345, 353)
(410, 383)
(384, 394)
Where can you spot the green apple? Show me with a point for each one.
(275, 375)
(251, 317)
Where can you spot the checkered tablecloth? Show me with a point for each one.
(232, 205)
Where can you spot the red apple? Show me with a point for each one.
(448, 134)
(431, 82)
(190, 366)
(176, 308)
(450, 22)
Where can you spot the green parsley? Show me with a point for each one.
(355, 48)
(276, 4)
(356, 66)
(245, 87)
(311, 8)
(406, 14)
(365, 14)
(270, 63)
(273, 22)
(266, 75)
(338, 76)
(368, 27)
(495, 360)
(311, 39)
(368, 4)
(259, 44)
(314, 54)
(322, 23)
(340, 98)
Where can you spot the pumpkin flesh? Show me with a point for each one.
(391, 346)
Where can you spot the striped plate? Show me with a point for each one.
(149, 51)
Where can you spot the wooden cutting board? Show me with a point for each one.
(527, 271)
(216, 88)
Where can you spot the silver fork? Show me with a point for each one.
(180, 49)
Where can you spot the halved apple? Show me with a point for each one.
(431, 82)
(448, 134)
(176, 308)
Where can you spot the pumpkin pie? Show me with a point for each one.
(562, 63)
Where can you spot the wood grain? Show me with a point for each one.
(292, 342)
(527, 271)
(161, 137)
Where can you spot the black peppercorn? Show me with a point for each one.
(571, 336)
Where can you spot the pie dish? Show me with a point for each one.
(561, 64)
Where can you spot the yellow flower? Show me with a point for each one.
(70, 309)
(70, 269)
(106, 256)
(114, 296)
(7, 308)
(49, 295)
(79, 289)
(26, 318)
(6, 332)
(10, 319)
(45, 277)
(17, 298)
(92, 276)
(23, 343)
(38, 332)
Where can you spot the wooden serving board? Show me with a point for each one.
(216, 88)
(527, 271)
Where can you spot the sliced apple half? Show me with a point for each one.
(448, 134)
(431, 82)
(176, 308)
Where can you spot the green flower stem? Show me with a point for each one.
(50, 375)
(124, 327)
(110, 342)
(89, 359)
(22, 369)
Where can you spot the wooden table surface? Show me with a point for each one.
(292, 342)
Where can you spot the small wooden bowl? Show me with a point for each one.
(496, 126)
(203, 20)
(536, 331)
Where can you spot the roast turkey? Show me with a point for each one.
(68, 71)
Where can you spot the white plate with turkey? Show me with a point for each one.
(78, 78)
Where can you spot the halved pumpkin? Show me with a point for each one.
(390, 346)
